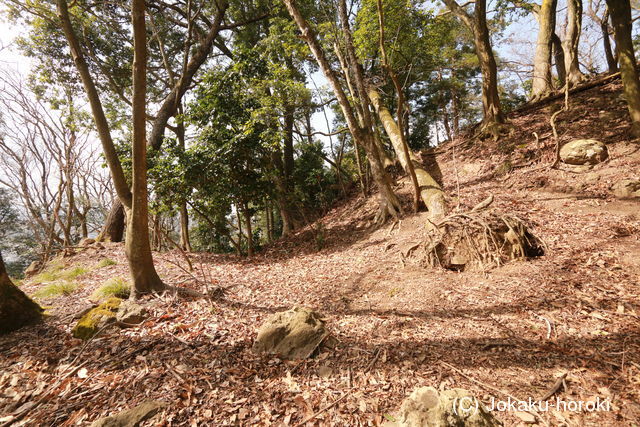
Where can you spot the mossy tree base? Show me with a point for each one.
(16, 308)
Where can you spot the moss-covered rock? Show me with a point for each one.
(96, 318)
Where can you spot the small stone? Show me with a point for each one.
(428, 407)
(526, 417)
(583, 152)
(33, 269)
(325, 371)
(131, 417)
(130, 313)
(86, 242)
(292, 334)
(626, 188)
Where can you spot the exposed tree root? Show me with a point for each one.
(479, 240)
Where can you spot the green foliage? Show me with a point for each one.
(105, 262)
(60, 287)
(114, 287)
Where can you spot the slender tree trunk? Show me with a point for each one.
(430, 191)
(247, 220)
(612, 63)
(572, 41)
(455, 106)
(137, 247)
(113, 230)
(16, 308)
(490, 97)
(408, 165)
(477, 24)
(620, 11)
(389, 202)
(542, 83)
(185, 242)
(558, 54)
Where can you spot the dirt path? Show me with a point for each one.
(515, 329)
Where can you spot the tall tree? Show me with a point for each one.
(145, 278)
(362, 133)
(137, 246)
(477, 24)
(620, 11)
(542, 83)
(16, 308)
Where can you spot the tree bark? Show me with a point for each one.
(16, 308)
(137, 246)
(113, 230)
(572, 41)
(558, 54)
(542, 83)
(249, 228)
(620, 11)
(430, 191)
(612, 63)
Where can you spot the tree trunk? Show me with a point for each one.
(185, 242)
(542, 83)
(558, 54)
(620, 11)
(143, 272)
(430, 191)
(247, 220)
(389, 202)
(572, 41)
(16, 308)
(407, 166)
(612, 63)
(490, 95)
(113, 229)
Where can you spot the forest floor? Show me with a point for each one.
(397, 325)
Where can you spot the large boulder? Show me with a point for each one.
(626, 188)
(94, 320)
(291, 334)
(426, 407)
(583, 152)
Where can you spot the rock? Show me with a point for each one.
(86, 242)
(33, 269)
(583, 152)
(526, 417)
(626, 188)
(131, 417)
(129, 313)
(292, 334)
(96, 319)
(456, 407)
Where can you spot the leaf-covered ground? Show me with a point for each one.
(394, 324)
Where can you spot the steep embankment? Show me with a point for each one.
(396, 325)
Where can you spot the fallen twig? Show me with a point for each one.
(556, 386)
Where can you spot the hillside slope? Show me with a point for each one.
(396, 324)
